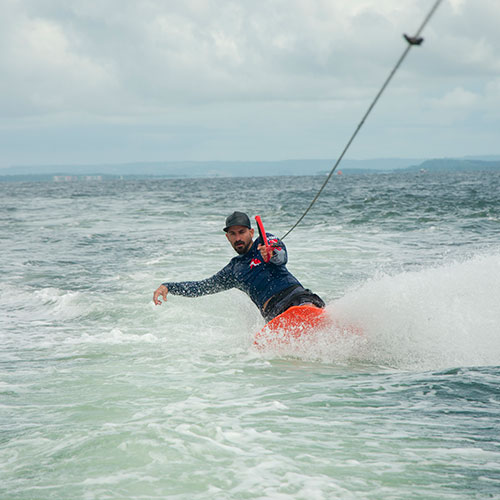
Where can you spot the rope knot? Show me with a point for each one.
(413, 40)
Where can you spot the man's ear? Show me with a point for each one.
(252, 231)
(227, 236)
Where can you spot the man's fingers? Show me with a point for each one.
(160, 291)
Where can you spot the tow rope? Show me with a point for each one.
(412, 40)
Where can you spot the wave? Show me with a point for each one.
(431, 319)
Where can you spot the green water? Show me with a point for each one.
(104, 396)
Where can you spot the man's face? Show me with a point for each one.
(240, 238)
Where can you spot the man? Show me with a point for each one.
(271, 287)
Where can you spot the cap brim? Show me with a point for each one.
(226, 229)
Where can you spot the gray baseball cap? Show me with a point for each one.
(237, 219)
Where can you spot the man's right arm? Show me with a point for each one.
(217, 283)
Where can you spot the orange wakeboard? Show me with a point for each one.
(291, 325)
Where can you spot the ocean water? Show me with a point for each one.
(105, 396)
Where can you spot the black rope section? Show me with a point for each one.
(412, 40)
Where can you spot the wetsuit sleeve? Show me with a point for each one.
(280, 255)
(219, 282)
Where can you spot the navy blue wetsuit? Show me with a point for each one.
(250, 274)
(261, 281)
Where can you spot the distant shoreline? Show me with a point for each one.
(215, 169)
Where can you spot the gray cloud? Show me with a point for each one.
(246, 80)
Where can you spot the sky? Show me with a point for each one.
(115, 81)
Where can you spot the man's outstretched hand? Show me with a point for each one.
(161, 291)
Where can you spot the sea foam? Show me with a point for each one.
(429, 319)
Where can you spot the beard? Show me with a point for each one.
(241, 247)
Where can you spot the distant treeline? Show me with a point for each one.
(448, 165)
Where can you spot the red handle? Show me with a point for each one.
(263, 237)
